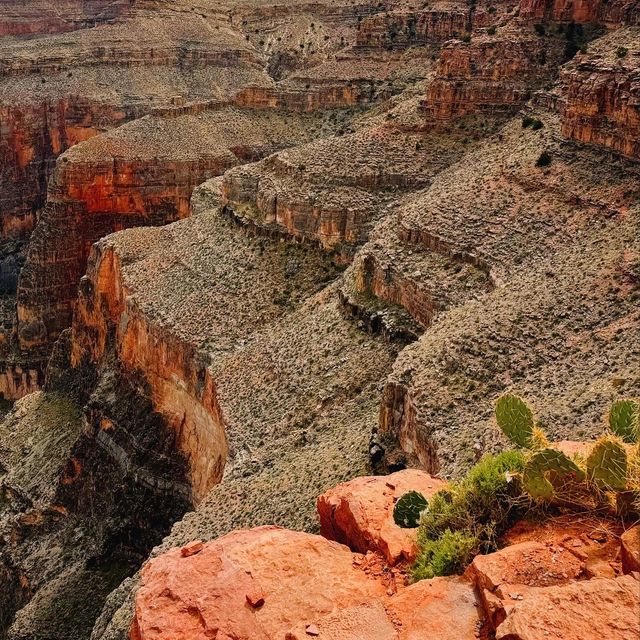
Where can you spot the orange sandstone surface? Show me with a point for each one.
(272, 583)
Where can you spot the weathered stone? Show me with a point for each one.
(310, 586)
(599, 608)
(602, 95)
(630, 549)
(359, 513)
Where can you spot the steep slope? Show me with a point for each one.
(140, 174)
(220, 371)
(562, 252)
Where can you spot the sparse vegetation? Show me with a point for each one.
(552, 476)
(448, 554)
(534, 123)
(471, 515)
(544, 160)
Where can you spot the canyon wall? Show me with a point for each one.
(306, 96)
(182, 390)
(31, 137)
(88, 200)
(140, 174)
(612, 13)
(490, 75)
(399, 30)
(602, 98)
(38, 17)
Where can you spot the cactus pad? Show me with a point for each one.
(607, 464)
(515, 419)
(406, 513)
(548, 470)
(624, 420)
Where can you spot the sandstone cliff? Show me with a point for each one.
(490, 75)
(141, 174)
(611, 14)
(602, 95)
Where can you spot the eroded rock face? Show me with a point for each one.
(359, 513)
(399, 30)
(611, 14)
(599, 608)
(491, 75)
(142, 174)
(32, 137)
(270, 583)
(59, 90)
(602, 95)
(26, 19)
(191, 406)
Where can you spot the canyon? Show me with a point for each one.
(255, 257)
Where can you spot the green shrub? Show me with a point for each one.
(466, 37)
(491, 31)
(485, 503)
(534, 123)
(544, 160)
(621, 52)
(447, 555)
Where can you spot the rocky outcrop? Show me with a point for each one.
(142, 174)
(306, 95)
(244, 584)
(630, 549)
(331, 192)
(490, 75)
(430, 27)
(22, 19)
(611, 14)
(399, 30)
(359, 513)
(602, 96)
(32, 136)
(600, 608)
(238, 587)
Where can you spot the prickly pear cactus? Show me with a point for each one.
(607, 464)
(515, 419)
(547, 471)
(624, 420)
(406, 513)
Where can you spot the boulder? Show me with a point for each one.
(599, 608)
(514, 573)
(273, 584)
(630, 549)
(359, 513)
(531, 564)
(442, 608)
